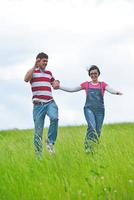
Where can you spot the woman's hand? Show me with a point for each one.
(119, 93)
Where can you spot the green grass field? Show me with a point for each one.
(70, 174)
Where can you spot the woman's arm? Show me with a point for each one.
(56, 85)
(75, 89)
(112, 91)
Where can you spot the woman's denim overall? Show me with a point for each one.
(94, 113)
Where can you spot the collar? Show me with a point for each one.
(41, 70)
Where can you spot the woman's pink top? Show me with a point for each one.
(87, 85)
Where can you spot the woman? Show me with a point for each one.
(94, 109)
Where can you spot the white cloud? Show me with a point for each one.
(74, 34)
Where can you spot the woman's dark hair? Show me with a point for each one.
(42, 55)
(93, 67)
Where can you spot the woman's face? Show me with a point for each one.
(94, 75)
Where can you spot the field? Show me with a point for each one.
(70, 174)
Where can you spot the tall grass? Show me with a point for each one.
(70, 174)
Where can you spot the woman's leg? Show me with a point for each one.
(91, 130)
(99, 118)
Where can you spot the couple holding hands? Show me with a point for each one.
(42, 81)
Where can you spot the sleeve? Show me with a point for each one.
(75, 89)
(84, 85)
(52, 78)
(104, 85)
(111, 90)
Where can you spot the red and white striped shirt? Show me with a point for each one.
(41, 85)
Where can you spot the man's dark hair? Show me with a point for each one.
(42, 55)
(93, 67)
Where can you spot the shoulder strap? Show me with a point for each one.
(101, 88)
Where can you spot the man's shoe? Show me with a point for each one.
(50, 148)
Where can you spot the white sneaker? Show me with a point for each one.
(50, 148)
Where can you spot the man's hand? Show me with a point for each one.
(37, 62)
(56, 84)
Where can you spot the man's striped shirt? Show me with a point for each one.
(41, 85)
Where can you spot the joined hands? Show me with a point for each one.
(56, 84)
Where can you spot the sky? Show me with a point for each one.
(75, 34)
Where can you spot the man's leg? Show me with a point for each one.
(52, 112)
(38, 116)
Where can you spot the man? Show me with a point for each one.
(43, 103)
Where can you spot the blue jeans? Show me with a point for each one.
(95, 122)
(39, 112)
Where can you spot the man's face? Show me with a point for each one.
(43, 63)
